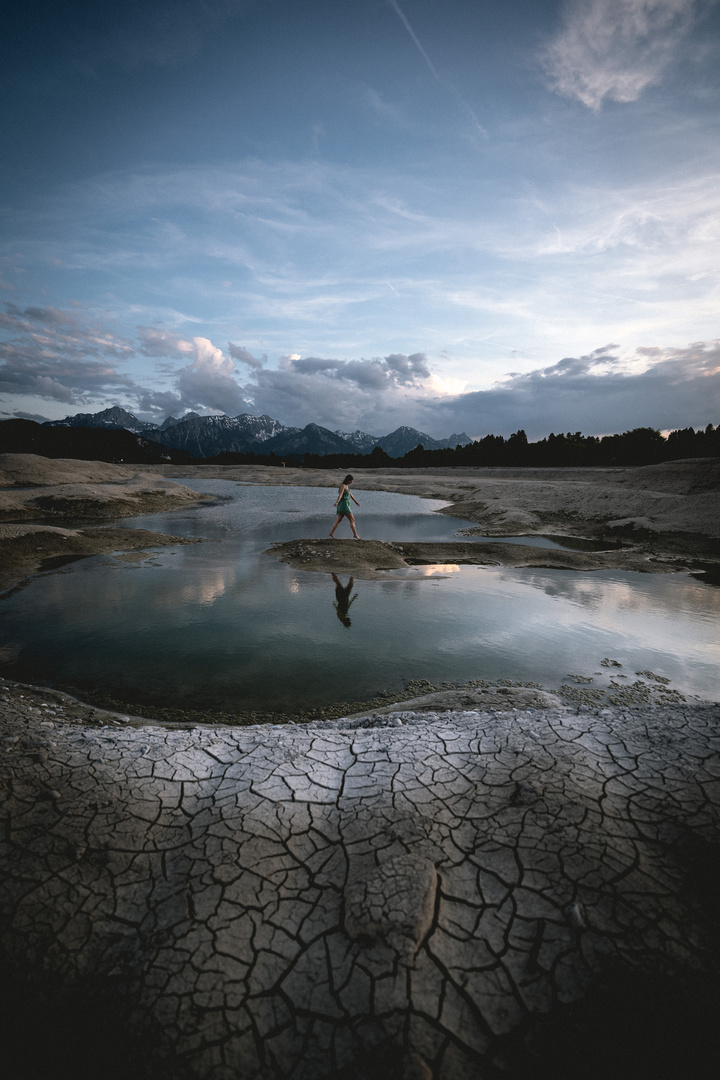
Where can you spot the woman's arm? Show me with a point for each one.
(343, 489)
(354, 499)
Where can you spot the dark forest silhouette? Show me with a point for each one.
(641, 446)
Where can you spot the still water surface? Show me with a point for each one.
(221, 625)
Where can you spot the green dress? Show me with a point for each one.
(344, 507)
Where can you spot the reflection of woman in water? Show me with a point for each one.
(342, 599)
(344, 509)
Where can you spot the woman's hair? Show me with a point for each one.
(347, 479)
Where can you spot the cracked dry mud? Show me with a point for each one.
(399, 895)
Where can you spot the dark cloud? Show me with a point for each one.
(238, 352)
(408, 368)
(60, 362)
(156, 405)
(398, 369)
(376, 394)
(50, 355)
(37, 417)
(23, 320)
(311, 365)
(597, 394)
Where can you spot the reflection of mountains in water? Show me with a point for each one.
(206, 436)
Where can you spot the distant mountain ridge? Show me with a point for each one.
(207, 436)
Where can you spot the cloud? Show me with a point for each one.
(397, 369)
(208, 382)
(377, 395)
(70, 358)
(39, 418)
(311, 246)
(206, 385)
(239, 353)
(600, 393)
(615, 49)
(155, 342)
(56, 356)
(607, 390)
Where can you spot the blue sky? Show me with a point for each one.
(454, 215)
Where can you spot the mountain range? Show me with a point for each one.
(206, 436)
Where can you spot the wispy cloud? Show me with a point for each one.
(373, 261)
(615, 49)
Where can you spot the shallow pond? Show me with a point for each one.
(220, 625)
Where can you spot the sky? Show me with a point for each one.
(459, 215)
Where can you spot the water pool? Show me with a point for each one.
(220, 625)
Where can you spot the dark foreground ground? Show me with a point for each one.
(530, 892)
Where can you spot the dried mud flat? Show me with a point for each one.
(469, 894)
(482, 882)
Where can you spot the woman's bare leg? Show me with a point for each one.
(332, 531)
(351, 519)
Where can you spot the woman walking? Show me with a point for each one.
(343, 506)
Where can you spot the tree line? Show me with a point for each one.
(640, 446)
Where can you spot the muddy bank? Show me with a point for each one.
(609, 686)
(373, 558)
(47, 508)
(30, 549)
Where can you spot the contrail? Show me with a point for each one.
(418, 46)
(473, 118)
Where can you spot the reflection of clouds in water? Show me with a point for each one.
(669, 613)
(657, 594)
(406, 580)
(433, 569)
(209, 586)
(129, 585)
(223, 615)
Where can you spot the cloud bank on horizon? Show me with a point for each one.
(251, 208)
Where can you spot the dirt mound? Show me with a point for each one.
(29, 470)
(371, 558)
